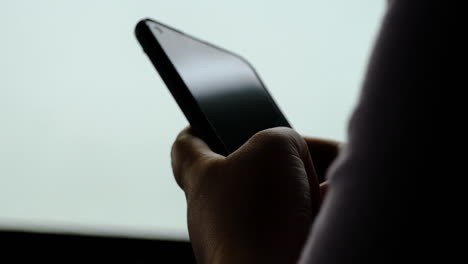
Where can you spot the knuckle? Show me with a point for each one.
(176, 170)
(278, 137)
(178, 160)
(180, 146)
(202, 174)
(280, 140)
(191, 169)
(180, 141)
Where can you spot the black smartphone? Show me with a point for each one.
(219, 92)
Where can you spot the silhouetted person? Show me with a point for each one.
(263, 203)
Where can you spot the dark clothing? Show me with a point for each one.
(369, 208)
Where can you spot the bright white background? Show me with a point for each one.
(86, 124)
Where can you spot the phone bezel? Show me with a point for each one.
(180, 91)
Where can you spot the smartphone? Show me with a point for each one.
(219, 92)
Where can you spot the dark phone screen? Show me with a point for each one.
(226, 88)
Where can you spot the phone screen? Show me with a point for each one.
(225, 86)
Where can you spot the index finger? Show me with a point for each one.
(190, 155)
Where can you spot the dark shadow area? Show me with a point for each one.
(31, 247)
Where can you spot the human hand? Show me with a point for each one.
(257, 204)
